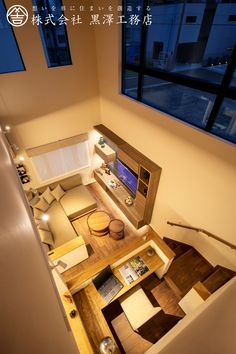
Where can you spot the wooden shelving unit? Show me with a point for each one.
(148, 178)
(143, 181)
(106, 152)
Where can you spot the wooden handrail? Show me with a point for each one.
(217, 238)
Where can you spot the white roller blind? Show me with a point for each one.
(61, 161)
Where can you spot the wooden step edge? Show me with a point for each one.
(191, 250)
(173, 287)
(228, 271)
(201, 289)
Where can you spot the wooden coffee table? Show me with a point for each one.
(98, 223)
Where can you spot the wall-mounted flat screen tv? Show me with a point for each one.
(127, 176)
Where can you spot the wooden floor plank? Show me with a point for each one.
(101, 247)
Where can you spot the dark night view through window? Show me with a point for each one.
(10, 58)
(53, 32)
(183, 63)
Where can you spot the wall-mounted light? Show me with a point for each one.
(45, 217)
(21, 158)
(7, 129)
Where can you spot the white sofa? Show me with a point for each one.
(74, 201)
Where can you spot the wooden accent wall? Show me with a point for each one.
(148, 175)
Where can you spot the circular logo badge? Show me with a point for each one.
(17, 15)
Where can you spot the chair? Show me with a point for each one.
(116, 229)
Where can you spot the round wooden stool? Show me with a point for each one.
(98, 223)
(116, 229)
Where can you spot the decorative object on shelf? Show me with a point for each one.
(73, 313)
(150, 251)
(34, 191)
(107, 346)
(129, 200)
(25, 179)
(21, 170)
(107, 170)
(22, 173)
(101, 142)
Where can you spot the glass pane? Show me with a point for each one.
(62, 161)
(233, 80)
(191, 38)
(132, 31)
(53, 32)
(188, 104)
(130, 83)
(225, 123)
(10, 58)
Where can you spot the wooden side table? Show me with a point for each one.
(98, 223)
(116, 229)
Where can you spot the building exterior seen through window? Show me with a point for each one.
(10, 58)
(183, 63)
(52, 27)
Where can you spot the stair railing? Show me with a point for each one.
(217, 238)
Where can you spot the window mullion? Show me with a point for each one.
(142, 57)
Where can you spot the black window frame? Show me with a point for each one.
(43, 36)
(191, 19)
(17, 46)
(222, 90)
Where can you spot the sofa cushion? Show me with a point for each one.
(59, 225)
(43, 225)
(38, 214)
(42, 204)
(46, 237)
(34, 200)
(48, 196)
(58, 192)
(77, 201)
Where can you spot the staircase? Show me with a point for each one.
(189, 267)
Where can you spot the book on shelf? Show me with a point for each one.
(133, 269)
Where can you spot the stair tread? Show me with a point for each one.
(198, 268)
(189, 267)
(218, 278)
(178, 247)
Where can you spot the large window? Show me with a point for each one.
(182, 60)
(10, 58)
(52, 27)
(61, 161)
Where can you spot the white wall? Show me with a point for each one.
(31, 317)
(48, 104)
(197, 184)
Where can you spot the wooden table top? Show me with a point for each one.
(98, 220)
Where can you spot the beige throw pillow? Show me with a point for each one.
(38, 214)
(46, 237)
(42, 204)
(34, 201)
(43, 225)
(58, 192)
(47, 195)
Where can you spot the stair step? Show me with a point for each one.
(173, 287)
(219, 277)
(178, 247)
(187, 270)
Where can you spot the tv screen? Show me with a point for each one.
(128, 177)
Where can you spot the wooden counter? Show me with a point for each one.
(90, 326)
(90, 303)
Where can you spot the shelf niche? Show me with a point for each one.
(106, 153)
